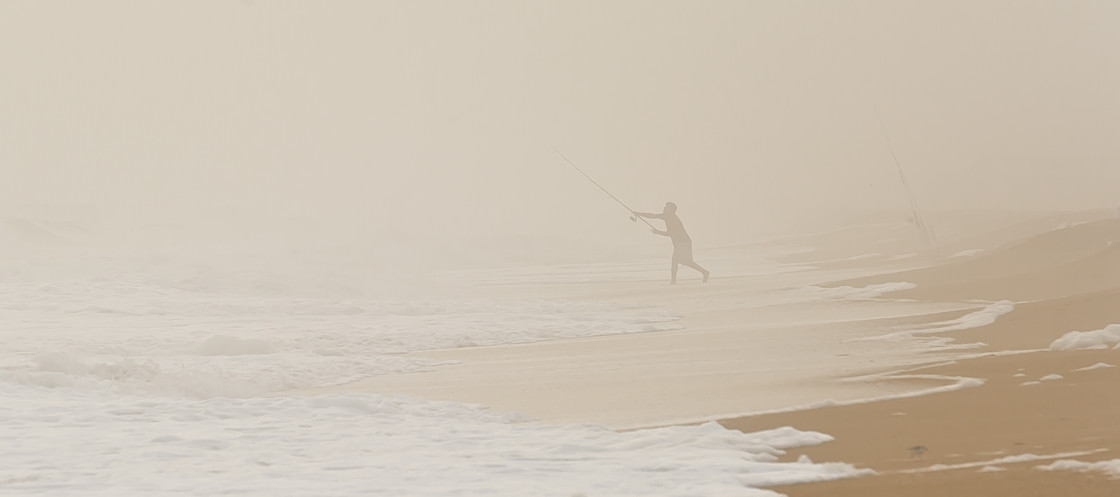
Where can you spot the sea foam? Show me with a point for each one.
(1082, 340)
(372, 445)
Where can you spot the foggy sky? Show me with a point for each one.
(438, 118)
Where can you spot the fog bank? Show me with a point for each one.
(382, 122)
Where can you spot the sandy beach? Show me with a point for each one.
(944, 386)
(973, 438)
(993, 439)
(735, 334)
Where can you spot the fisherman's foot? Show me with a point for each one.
(706, 274)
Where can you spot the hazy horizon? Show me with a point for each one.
(438, 120)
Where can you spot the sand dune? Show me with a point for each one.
(1070, 261)
(978, 234)
(952, 232)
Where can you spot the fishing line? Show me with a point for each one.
(633, 217)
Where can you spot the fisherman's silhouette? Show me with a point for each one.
(682, 244)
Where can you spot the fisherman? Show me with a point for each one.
(682, 244)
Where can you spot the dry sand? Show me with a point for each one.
(1072, 276)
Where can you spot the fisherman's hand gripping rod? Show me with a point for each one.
(633, 215)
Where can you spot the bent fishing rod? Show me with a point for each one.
(633, 217)
(918, 221)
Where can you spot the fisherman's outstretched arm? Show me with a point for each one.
(650, 215)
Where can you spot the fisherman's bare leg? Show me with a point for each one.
(694, 265)
(673, 280)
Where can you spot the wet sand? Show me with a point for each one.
(974, 427)
(952, 443)
(697, 373)
(756, 345)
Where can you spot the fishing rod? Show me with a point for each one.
(905, 184)
(633, 217)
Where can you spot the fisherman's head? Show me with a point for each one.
(670, 208)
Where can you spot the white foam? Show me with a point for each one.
(862, 257)
(1018, 458)
(1051, 377)
(204, 343)
(1085, 340)
(1099, 365)
(860, 293)
(968, 253)
(919, 339)
(983, 317)
(370, 445)
(142, 375)
(952, 383)
(1110, 468)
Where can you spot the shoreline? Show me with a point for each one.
(964, 431)
(1035, 406)
(961, 400)
(691, 375)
